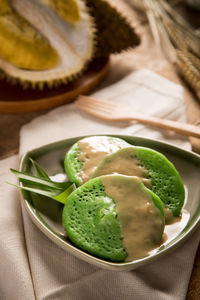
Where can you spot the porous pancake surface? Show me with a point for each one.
(90, 219)
(164, 179)
(114, 217)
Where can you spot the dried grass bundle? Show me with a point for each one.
(176, 37)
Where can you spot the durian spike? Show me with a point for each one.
(22, 45)
(114, 33)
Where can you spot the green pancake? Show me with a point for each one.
(164, 179)
(95, 149)
(94, 221)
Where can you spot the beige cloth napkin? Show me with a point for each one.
(33, 267)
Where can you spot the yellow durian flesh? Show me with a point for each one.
(68, 10)
(21, 44)
(5, 7)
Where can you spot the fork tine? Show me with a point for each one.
(100, 103)
(93, 104)
(97, 108)
(93, 111)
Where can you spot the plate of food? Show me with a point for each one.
(117, 201)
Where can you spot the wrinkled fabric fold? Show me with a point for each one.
(15, 274)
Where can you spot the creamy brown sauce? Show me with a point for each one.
(169, 217)
(141, 221)
(92, 151)
(173, 228)
(123, 162)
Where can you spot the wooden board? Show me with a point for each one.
(16, 99)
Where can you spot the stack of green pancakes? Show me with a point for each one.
(125, 195)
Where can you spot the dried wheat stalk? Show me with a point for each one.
(176, 37)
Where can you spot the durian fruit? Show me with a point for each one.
(49, 42)
(45, 40)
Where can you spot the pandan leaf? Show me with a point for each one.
(114, 33)
(39, 171)
(38, 190)
(62, 197)
(23, 176)
(58, 191)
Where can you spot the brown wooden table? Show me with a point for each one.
(144, 56)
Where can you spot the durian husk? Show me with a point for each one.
(114, 32)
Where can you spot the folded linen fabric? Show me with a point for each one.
(41, 270)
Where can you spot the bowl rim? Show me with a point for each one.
(119, 266)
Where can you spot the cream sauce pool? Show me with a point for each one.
(123, 162)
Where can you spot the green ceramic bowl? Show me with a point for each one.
(47, 213)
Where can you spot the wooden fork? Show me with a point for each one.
(111, 111)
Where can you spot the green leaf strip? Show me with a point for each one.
(62, 197)
(24, 177)
(58, 191)
(50, 194)
(39, 171)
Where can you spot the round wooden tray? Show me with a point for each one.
(16, 99)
